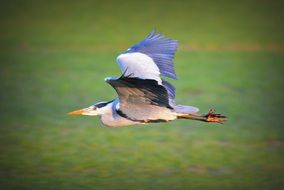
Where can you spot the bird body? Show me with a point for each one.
(143, 96)
(112, 117)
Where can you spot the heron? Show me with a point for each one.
(144, 96)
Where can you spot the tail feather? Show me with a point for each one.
(182, 109)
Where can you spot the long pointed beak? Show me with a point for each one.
(77, 112)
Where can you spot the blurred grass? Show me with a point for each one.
(54, 56)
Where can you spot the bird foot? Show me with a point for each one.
(212, 116)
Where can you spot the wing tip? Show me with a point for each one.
(155, 32)
(170, 74)
(155, 36)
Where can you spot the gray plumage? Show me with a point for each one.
(161, 49)
(143, 97)
(142, 100)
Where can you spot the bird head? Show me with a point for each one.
(96, 109)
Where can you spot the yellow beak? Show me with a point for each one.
(77, 112)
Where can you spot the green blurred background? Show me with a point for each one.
(54, 56)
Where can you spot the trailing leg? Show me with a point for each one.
(211, 116)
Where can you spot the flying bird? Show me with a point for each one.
(143, 96)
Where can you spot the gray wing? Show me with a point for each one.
(140, 99)
(150, 58)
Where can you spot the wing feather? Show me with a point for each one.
(171, 92)
(150, 58)
(141, 99)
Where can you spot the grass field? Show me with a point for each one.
(54, 56)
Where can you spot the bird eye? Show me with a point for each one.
(94, 107)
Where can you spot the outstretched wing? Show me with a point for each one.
(140, 99)
(150, 58)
